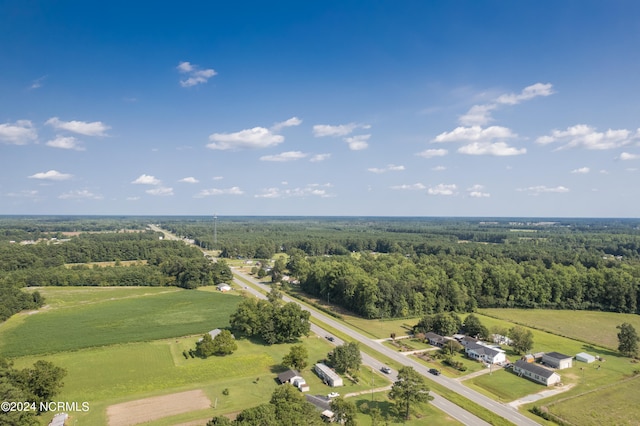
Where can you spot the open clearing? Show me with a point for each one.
(144, 410)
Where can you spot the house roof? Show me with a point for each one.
(534, 368)
(557, 355)
(482, 349)
(432, 335)
(287, 375)
(320, 402)
(585, 355)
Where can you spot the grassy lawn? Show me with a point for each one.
(421, 414)
(618, 404)
(504, 385)
(151, 316)
(598, 328)
(472, 365)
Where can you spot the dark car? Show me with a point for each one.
(385, 370)
(330, 338)
(434, 371)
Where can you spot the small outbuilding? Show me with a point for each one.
(585, 357)
(224, 287)
(557, 360)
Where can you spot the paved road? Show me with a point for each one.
(453, 410)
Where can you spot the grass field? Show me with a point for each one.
(421, 413)
(505, 385)
(148, 314)
(598, 328)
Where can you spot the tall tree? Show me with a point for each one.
(627, 340)
(521, 339)
(205, 347)
(410, 388)
(224, 343)
(473, 327)
(344, 411)
(346, 358)
(296, 358)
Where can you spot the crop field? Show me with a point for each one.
(598, 328)
(147, 316)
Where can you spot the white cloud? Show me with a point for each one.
(481, 114)
(293, 121)
(23, 194)
(95, 128)
(628, 156)
(443, 189)
(51, 175)
(258, 137)
(389, 168)
(412, 187)
(529, 92)
(319, 157)
(146, 180)
(19, 133)
(218, 177)
(160, 191)
(499, 149)
(539, 189)
(285, 156)
(430, 153)
(195, 76)
(581, 170)
(65, 142)
(37, 83)
(189, 179)
(476, 191)
(80, 194)
(475, 133)
(311, 190)
(439, 168)
(322, 130)
(358, 142)
(218, 191)
(585, 136)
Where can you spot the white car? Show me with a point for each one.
(333, 395)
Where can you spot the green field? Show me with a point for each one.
(145, 315)
(505, 385)
(421, 414)
(598, 328)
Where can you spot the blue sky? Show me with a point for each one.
(412, 108)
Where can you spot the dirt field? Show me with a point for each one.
(144, 410)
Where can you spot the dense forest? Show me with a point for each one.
(376, 267)
(138, 258)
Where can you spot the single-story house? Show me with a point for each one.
(435, 339)
(485, 353)
(536, 372)
(327, 375)
(468, 340)
(585, 357)
(224, 287)
(321, 402)
(289, 376)
(557, 360)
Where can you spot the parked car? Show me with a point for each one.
(385, 370)
(330, 338)
(434, 371)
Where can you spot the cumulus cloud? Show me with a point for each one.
(499, 149)
(311, 190)
(319, 157)
(284, 156)
(475, 133)
(628, 156)
(94, 128)
(443, 189)
(430, 153)
(358, 142)
(146, 180)
(257, 137)
(476, 191)
(540, 189)
(161, 191)
(65, 142)
(388, 168)
(581, 170)
(481, 114)
(219, 191)
(322, 130)
(585, 136)
(195, 75)
(293, 121)
(51, 175)
(19, 133)
(80, 194)
(189, 179)
(409, 187)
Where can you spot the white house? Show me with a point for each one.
(585, 357)
(224, 287)
(485, 353)
(536, 372)
(327, 375)
(557, 360)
